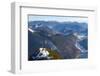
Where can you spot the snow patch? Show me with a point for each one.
(31, 30)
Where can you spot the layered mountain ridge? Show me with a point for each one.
(59, 38)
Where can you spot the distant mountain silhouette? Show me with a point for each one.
(62, 27)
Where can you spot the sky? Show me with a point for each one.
(57, 18)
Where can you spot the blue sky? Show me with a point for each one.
(57, 18)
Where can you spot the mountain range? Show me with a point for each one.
(58, 37)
